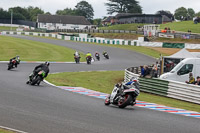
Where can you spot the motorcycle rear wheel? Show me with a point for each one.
(35, 80)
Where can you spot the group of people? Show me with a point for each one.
(192, 80)
(97, 55)
(153, 70)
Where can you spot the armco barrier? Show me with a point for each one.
(155, 86)
(172, 89)
(182, 91)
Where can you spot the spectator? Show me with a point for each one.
(155, 70)
(191, 79)
(142, 71)
(198, 81)
(146, 71)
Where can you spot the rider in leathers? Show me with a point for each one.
(44, 67)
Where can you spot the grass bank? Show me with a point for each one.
(6, 131)
(7, 28)
(150, 51)
(104, 82)
(122, 27)
(183, 26)
(33, 50)
(125, 36)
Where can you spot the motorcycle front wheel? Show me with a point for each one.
(107, 101)
(124, 101)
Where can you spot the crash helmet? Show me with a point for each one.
(17, 56)
(47, 63)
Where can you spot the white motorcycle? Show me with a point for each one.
(124, 94)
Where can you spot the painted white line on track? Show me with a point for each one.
(11, 129)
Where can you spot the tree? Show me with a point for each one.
(22, 13)
(191, 13)
(4, 14)
(96, 21)
(66, 11)
(83, 8)
(181, 13)
(123, 6)
(33, 12)
(48, 13)
(197, 14)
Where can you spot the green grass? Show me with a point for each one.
(183, 26)
(5, 131)
(144, 50)
(33, 50)
(7, 28)
(122, 27)
(105, 81)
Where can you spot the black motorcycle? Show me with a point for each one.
(77, 59)
(12, 64)
(36, 78)
(106, 55)
(123, 96)
(97, 57)
(88, 59)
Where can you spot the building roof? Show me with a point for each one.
(108, 19)
(166, 19)
(128, 15)
(64, 19)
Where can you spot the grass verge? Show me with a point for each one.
(125, 36)
(150, 51)
(33, 50)
(104, 82)
(7, 28)
(183, 26)
(5, 131)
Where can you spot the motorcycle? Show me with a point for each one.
(123, 95)
(77, 59)
(106, 56)
(88, 59)
(12, 64)
(36, 78)
(97, 57)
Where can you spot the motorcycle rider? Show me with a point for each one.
(97, 55)
(76, 54)
(17, 59)
(104, 53)
(44, 67)
(123, 86)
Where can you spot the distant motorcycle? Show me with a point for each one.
(88, 59)
(12, 64)
(124, 95)
(77, 59)
(97, 57)
(106, 55)
(37, 78)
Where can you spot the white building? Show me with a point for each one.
(54, 22)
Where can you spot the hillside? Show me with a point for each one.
(183, 26)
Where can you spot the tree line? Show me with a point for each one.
(85, 9)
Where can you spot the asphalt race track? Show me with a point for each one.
(46, 109)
